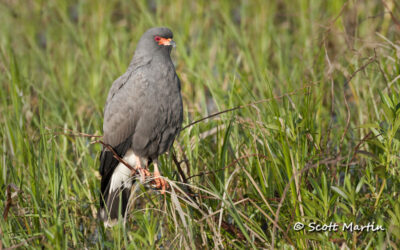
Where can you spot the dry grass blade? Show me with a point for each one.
(259, 191)
(72, 133)
(229, 165)
(19, 245)
(219, 210)
(223, 201)
(116, 156)
(250, 105)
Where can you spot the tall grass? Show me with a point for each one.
(317, 139)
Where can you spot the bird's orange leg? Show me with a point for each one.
(160, 183)
(141, 170)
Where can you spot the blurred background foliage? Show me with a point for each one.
(317, 139)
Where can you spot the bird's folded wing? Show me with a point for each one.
(122, 110)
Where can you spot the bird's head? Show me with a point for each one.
(156, 39)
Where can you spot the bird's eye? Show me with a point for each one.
(157, 38)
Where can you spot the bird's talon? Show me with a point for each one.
(160, 184)
(143, 173)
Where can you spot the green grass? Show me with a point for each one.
(323, 147)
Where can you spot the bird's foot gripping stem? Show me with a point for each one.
(142, 172)
(159, 182)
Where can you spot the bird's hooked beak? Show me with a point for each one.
(167, 42)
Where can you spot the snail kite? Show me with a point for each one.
(142, 117)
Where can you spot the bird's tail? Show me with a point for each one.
(115, 197)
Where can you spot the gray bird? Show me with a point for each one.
(142, 117)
